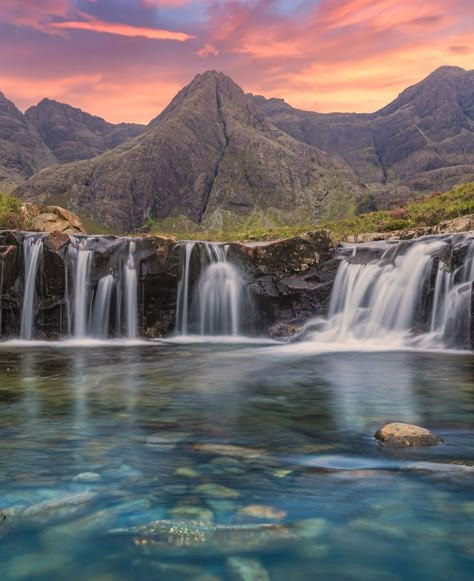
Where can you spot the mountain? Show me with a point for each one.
(73, 135)
(422, 141)
(22, 150)
(208, 152)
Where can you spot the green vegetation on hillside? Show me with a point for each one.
(9, 211)
(421, 212)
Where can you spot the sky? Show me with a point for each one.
(124, 60)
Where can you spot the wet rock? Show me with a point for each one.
(186, 472)
(262, 512)
(181, 537)
(399, 435)
(187, 512)
(87, 477)
(229, 450)
(163, 441)
(60, 507)
(240, 569)
(310, 528)
(2, 517)
(217, 491)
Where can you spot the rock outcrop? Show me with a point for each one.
(399, 435)
(49, 219)
(72, 134)
(422, 141)
(207, 150)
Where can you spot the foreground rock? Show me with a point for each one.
(50, 219)
(399, 435)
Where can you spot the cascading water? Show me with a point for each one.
(215, 304)
(32, 251)
(92, 310)
(101, 308)
(83, 259)
(182, 301)
(384, 299)
(131, 292)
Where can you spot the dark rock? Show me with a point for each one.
(399, 435)
(73, 135)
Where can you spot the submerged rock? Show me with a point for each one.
(217, 491)
(206, 538)
(61, 506)
(240, 569)
(262, 512)
(399, 435)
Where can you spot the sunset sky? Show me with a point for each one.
(125, 59)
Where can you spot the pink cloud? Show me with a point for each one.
(121, 30)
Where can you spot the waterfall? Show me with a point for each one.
(83, 260)
(32, 250)
(385, 299)
(213, 306)
(131, 293)
(182, 301)
(101, 308)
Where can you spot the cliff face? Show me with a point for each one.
(208, 150)
(22, 150)
(72, 134)
(422, 141)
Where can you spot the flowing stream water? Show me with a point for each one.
(32, 249)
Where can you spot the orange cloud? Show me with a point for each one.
(122, 30)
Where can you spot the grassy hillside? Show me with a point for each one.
(424, 211)
(9, 212)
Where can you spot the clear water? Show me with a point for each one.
(98, 440)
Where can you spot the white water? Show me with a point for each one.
(131, 293)
(182, 301)
(381, 302)
(32, 250)
(83, 259)
(101, 308)
(214, 306)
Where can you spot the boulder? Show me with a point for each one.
(399, 435)
(50, 219)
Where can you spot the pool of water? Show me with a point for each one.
(226, 461)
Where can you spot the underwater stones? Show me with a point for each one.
(2, 517)
(229, 450)
(185, 472)
(162, 441)
(241, 569)
(177, 537)
(400, 435)
(262, 512)
(87, 477)
(187, 512)
(61, 506)
(310, 528)
(217, 491)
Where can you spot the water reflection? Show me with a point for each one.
(141, 433)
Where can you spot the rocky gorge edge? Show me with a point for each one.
(289, 281)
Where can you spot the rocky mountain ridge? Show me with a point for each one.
(215, 156)
(423, 141)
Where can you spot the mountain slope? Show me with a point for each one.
(422, 141)
(208, 151)
(22, 151)
(72, 134)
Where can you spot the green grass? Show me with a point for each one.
(9, 212)
(421, 212)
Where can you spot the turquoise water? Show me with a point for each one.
(245, 458)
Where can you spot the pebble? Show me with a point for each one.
(260, 511)
(217, 490)
(87, 477)
(241, 569)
